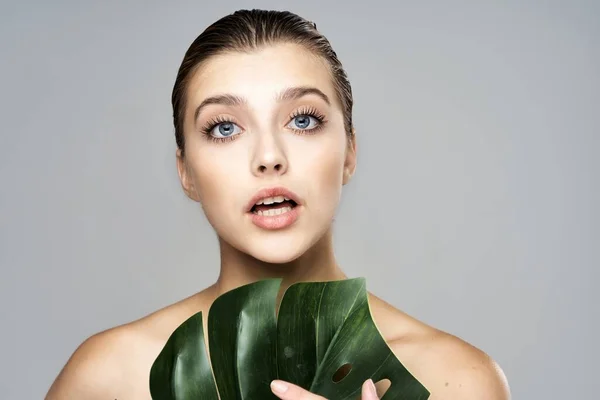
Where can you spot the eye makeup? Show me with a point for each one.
(311, 112)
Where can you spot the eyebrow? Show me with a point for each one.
(288, 94)
(224, 99)
(295, 93)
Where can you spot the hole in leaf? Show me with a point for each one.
(342, 372)
(382, 386)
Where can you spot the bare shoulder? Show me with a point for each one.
(448, 366)
(115, 363)
(451, 368)
(98, 368)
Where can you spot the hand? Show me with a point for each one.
(288, 391)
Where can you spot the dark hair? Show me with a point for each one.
(246, 30)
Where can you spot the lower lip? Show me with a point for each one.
(276, 221)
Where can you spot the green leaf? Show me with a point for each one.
(326, 325)
(321, 327)
(182, 370)
(243, 340)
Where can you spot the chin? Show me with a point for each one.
(275, 246)
(276, 251)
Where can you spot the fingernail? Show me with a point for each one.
(371, 387)
(279, 386)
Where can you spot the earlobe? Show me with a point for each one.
(187, 183)
(350, 162)
(347, 176)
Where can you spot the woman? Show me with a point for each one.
(265, 141)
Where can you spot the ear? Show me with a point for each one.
(350, 162)
(185, 177)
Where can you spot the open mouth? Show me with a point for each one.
(273, 206)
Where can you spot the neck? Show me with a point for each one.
(238, 268)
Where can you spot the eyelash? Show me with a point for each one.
(308, 111)
(212, 124)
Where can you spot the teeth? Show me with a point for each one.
(273, 212)
(271, 200)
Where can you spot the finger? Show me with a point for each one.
(287, 391)
(368, 391)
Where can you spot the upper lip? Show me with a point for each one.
(272, 192)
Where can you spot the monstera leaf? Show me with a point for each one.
(322, 328)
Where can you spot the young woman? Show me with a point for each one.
(263, 124)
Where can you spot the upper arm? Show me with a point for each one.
(480, 379)
(452, 369)
(92, 372)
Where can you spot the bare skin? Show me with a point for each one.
(115, 364)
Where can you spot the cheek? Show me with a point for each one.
(324, 173)
(215, 177)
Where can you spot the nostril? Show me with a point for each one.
(265, 168)
(276, 168)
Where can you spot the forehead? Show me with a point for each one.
(258, 75)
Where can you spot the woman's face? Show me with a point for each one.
(266, 127)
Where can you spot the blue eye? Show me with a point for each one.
(304, 122)
(225, 129)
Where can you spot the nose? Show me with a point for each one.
(269, 156)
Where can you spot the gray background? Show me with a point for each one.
(477, 186)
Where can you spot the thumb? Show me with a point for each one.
(368, 391)
(288, 391)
